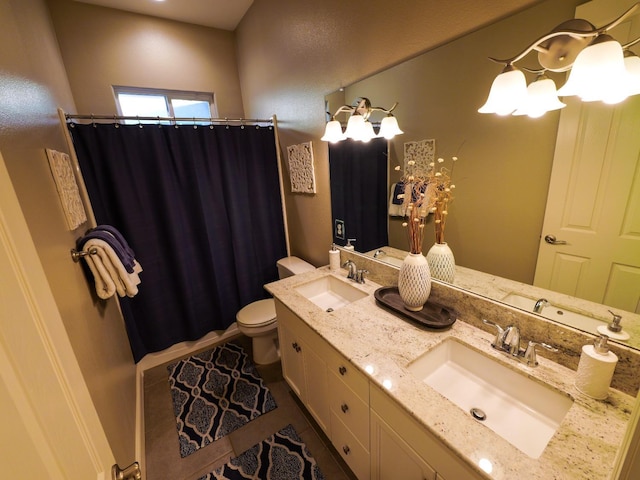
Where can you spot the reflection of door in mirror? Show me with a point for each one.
(594, 192)
(358, 192)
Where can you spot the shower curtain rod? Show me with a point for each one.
(77, 116)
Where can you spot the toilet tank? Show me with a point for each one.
(290, 266)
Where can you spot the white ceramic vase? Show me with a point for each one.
(442, 263)
(414, 281)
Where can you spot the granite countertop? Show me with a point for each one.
(584, 447)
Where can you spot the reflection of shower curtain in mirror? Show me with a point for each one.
(359, 191)
(201, 208)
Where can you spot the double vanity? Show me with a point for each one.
(399, 400)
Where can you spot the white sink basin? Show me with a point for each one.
(328, 292)
(519, 409)
(566, 317)
(397, 262)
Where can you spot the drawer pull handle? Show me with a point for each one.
(296, 347)
(346, 449)
(344, 407)
(342, 370)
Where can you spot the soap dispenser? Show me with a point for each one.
(349, 246)
(334, 258)
(595, 369)
(614, 329)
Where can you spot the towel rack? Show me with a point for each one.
(76, 255)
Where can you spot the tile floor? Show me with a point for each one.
(163, 461)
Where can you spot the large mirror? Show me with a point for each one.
(503, 204)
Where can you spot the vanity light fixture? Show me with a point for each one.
(601, 69)
(358, 126)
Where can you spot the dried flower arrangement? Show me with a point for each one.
(424, 193)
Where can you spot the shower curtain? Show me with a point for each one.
(359, 192)
(201, 208)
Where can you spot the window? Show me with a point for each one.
(148, 102)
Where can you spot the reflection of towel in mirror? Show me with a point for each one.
(396, 208)
(108, 271)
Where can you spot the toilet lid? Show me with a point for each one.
(258, 313)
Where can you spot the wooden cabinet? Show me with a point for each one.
(392, 458)
(303, 366)
(349, 403)
(373, 434)
(397, 438)
(334, 392)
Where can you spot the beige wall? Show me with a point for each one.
(102, 47)
(33, 84)
(291, 53)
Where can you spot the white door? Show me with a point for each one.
(594, 201)
(50, 429)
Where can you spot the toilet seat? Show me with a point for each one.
(257, 314)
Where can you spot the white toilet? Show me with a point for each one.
(258, 319)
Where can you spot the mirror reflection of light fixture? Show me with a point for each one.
(541, 98)
(359, 127)
(601, 69)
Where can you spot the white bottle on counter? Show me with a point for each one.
(595, 369)
(348, 246)
(334, 258)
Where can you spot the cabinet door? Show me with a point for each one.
(292, 362)
(392, 458)
(317, 400)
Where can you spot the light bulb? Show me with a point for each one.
(333, 132)
(541, 98)
(599, 73)
(389, 127)
(508, 92)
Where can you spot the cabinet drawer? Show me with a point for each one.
(350, 408)
(349, 374)
(356, 456)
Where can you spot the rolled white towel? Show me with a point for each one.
(105, 286)
(111, 270)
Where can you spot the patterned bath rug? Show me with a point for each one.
(282, 456)
(214, 393)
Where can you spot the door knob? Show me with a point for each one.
(551, 240)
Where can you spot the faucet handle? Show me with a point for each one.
(360, 275)
(530, 356)
(512, 339)
(498, 342)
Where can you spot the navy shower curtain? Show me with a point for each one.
(201, 208)
(359, 192)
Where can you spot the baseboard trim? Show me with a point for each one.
(155, 359)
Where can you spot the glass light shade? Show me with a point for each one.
(333, 132)
(367, 133)
(632, 64)
(355, 127)
(541, 98)
(598, 74)
(508, 92)
(389, 127)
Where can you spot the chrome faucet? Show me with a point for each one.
(353, 271)
(540, 304)
(507, 340)
(379, 253)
